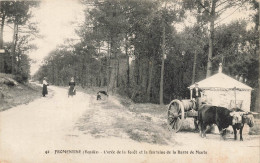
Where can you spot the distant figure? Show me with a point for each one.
(196, 93)
(241, 78)
(44, 87)
(245, 80)
(236, 77)
(98, 96)
(72, 90)
(220, 68)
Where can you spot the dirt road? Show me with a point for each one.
(61, 129)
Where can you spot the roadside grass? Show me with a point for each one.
(16, 95)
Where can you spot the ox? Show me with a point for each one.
(247, 117)
(222, 117)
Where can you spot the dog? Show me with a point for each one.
(101, 92)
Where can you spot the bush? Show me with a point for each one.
(21, 78)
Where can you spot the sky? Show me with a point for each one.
(58, 19)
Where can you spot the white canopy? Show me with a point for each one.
(221, 81)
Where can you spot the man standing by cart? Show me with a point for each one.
(196, 93)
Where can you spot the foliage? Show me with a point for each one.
(121, 49)
(15, 60)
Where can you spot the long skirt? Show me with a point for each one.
(44, 90)
(71, 92)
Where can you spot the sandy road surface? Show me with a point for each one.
(33, 133)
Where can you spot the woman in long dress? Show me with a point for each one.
(44, 87)
(72, 90)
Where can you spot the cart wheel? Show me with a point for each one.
(175, 115)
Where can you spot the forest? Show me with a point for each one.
(134, 48)
(16, 15)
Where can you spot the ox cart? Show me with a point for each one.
(178, 110)
(219, 90)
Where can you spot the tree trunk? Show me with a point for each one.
(162, 68)
(117, 73)
(2, 42)
(113, 75)
(136, 75)
(53, 72)
(257, 106)
(211, 38)
(14, 45)
(108, 66)
(144, 74)
(127, 62)
(136, 70)
(102, 75)
(194, 67)
(83, 72)
(151, 64)
(19, 56)
(113, 60)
